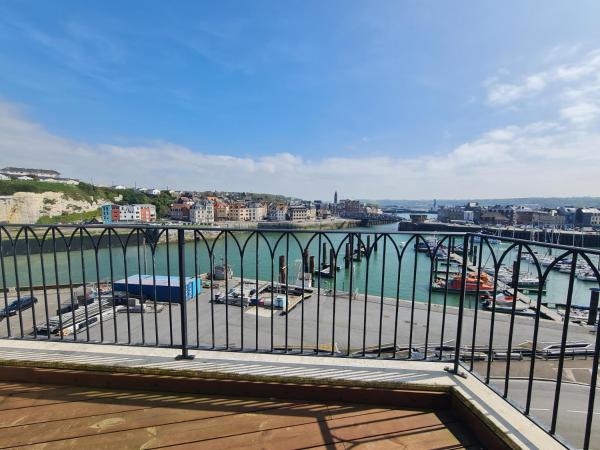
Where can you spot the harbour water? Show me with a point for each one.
(260, 261)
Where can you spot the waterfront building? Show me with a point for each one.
(238, 212)
(587, 217)
(257, 211)
(180, 211)
(136, 213)
(301, 212)
(493, 218)
(525, 216)
(569, 214)
(278, 212)
(221, 211)
(202, 212)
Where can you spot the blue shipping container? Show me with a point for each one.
(161, 292)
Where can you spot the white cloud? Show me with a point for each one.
(542, 158)
(561, 76)
(503, 94)
(580, 113)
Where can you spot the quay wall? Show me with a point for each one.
(562, 237)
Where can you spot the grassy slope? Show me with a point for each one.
(85, 192)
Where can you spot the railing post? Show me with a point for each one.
(461, 304)
(182, 295)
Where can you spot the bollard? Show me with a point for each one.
(305, 260)
(311, 265)
(347, 257)
(332, 267)
(282, 270)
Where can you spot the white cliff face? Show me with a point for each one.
(28, 207)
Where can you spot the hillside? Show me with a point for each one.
(42, 202)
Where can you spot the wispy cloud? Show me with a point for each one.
(513, 161)
(75, 46)
(559, 76)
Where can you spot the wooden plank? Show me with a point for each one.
(134, 420)
(232, 387)
(302, 425)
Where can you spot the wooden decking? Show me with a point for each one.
(37, 416)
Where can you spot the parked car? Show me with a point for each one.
(16, 305)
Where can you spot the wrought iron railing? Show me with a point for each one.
(496, 307)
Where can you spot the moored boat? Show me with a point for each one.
(471, 284)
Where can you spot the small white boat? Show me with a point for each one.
(587, 276)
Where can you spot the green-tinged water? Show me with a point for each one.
(382, 266)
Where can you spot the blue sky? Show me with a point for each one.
(374, 99)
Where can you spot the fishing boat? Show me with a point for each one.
(471, 284)
(222, 271)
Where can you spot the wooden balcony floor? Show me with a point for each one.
(55, 417)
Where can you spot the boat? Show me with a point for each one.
(471, 284)
(587, 276)
(222, 271)
(430, 246)
(505, 304)
(503, 299)
(424, 247)
(490, 240)
(545, 261)
(526, 279)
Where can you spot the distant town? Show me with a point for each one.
(210, 208)
(202, 208)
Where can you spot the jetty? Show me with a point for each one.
(521, 297)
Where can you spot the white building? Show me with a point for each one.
(278, 212)
(257, 211)
(70, 181)
(301, 212)
(37, 173)
(202, 212)
(150, 191)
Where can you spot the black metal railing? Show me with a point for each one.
(496, 307)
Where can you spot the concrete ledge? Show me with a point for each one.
(412, 384)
